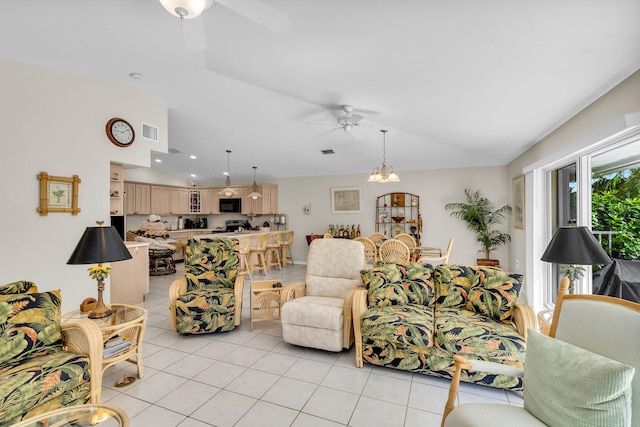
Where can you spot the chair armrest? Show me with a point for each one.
(524, 318)
(238, 288)
(85, 337)
(359, 305)
(460, 363)
(347, 310)
(177, 288)
(292, 291)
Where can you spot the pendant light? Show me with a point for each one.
(186, 9)
(254, 191)
(228, 191)
(384, 173)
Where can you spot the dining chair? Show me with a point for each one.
(376, 238)
(442, 259)
(327, 236)
(394, 250)
(370, 251)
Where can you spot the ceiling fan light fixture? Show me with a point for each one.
(228, 191)
(186, 9)
(384, 173)
(254, 190)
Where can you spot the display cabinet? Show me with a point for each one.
(398, 213)
(116, 189)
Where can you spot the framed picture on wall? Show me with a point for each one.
(346, 200)
(58, 194)
(518, 202)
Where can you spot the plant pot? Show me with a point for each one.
(488, 262)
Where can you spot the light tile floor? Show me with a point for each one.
(248, 378)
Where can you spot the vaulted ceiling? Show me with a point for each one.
(457, 83)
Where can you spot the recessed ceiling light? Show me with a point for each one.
(158, 161)
(225, 173)
(193, 175)
(192, 157)
(136, 76)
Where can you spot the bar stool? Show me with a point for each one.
(244, 244)
(286, 240)
(258, 248)
(272, 254)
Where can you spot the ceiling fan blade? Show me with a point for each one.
(260, 13)
(193, 34)
(356, 118)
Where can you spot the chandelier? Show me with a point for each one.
(228, 191)
(186, 9)
(384, 173)
(254, 191)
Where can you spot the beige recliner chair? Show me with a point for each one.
(317, 313)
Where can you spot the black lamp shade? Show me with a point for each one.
(575, 246)
(98, 245)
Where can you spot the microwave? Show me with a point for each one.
(230, 205)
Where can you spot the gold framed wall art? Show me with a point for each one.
(518, 202)
(346, 200)
(58, 194)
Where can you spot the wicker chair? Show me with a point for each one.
(602, 325)
(407, 239)
(209, 297)
(394, 250)
(376, 238)
(370, 251)
(327, 236)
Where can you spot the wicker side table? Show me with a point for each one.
(126, 325)
(161, 262)
(265, 300)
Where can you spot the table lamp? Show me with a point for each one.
(97, 245)
(574, 247)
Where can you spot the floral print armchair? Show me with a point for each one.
(209, 298)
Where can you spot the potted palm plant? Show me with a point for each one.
(481, 216)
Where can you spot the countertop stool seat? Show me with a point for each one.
(161, 262)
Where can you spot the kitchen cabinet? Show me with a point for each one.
(195, 201)
(246, 207)
(215, 200)
(179, 201)
(205, 201)
(399, 213)
(142, 199)
(116, 189)
(269, 199)
(129, 198)
(160, 200)
(129, 279)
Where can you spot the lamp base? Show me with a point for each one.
(101, 309)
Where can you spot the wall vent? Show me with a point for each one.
(150, 132)
(330, 151)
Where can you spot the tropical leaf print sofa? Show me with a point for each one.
(209, 298)
(415, 318)
(44, 364)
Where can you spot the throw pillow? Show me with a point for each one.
(29, 325)
(399, 284)
(567, 385)
(495, 294)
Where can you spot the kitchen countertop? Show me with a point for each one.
(235, 234)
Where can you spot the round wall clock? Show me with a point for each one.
(120, 132)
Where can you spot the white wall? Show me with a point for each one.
(436, 188)
(54, 122)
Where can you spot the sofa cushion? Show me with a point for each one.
(570, 386)
(399, 284)
(410, 325)
(475, 336)
(31, 386)
(194, 313)
(211, 263)
(29, 325)
(20, 287)
(484, 290)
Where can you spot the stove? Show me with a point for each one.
(235, 224)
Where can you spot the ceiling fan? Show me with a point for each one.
(347, 120)
(254, 10)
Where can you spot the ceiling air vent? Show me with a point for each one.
(328, 151)
(150, 132)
